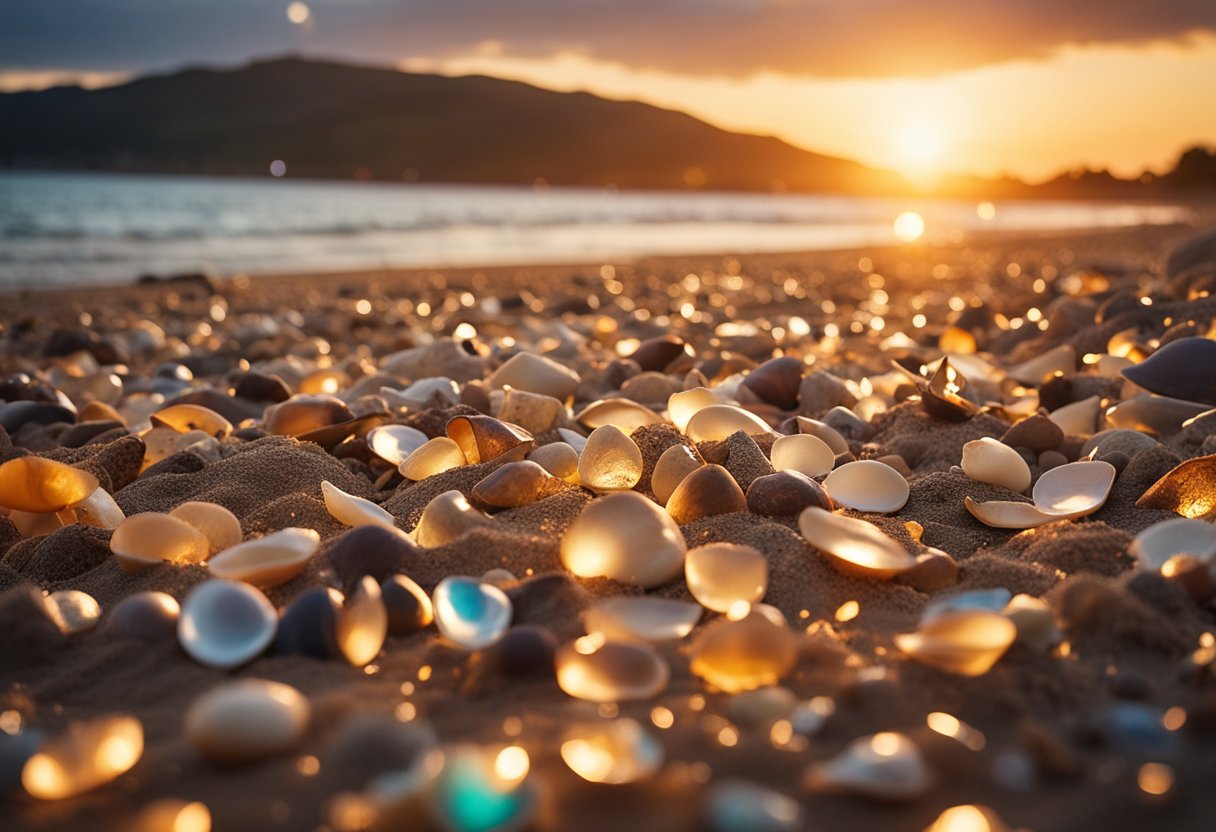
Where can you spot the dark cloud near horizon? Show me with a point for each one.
(826, 38)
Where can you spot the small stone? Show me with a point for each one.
(610, 461)
(786, 493)
(777, 381)
(536, 374)
(627, 538)
(73, 611)
(821, 391)
(1171, 370)
(675, 463)
(616, 752)
(247, 720)
(362, 623)
(524, 651)
(408, 606)
(1034, 433)
(934, 570)
(224, 624)
(308, 626)
(744, 654)
(147, 616)
(707, 491)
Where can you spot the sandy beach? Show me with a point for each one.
(1105, 723)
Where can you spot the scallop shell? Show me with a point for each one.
(720, 575)
(803, 453)
(1154, 546)
(394, 443)
(610, 461)
(267, 561)
(354, 511)
(674, 464)
(598, 670)
(536, 374)
(247, 720)
(964, 642)
(867, 485)
(707, 491)
(86, 756)
(620, 751)
(717, 422)
(1188, 489)
(38, 485)
(624, 414)
(681, 407)
(471, 613)
(987, 460)
(483, 438)
(1062, 359)
(886, 766)
(436, 456)
(645, 618)
(362, 623)
(854, 546)
(224, 624)
(185, 418)
(627, 538)
(144, 540)
(214, 522)
(1065, 492)
(745, 654)
(446, 517)
(1079, 418)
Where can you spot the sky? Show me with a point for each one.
(1025, 87)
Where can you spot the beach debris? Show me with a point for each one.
(967, 642)
(536, 374)
(351, 510)
(395, 443)
(718, 421)
(408, 606)
(615, 752)
(736, 805)
(434, 457)
(867, 485)
(721, 575)
(625, 537)
(73, 611)
(1172, 370)
(610, 461)
(32, 487)
(645, 618)
(482, 789)
(308, 627)
(803, 453)
(362, 623)
(267, 561)
(855, 547)
(1069, 491)
(247, 720)
(304, 414)
(704, 492)
(143, 540)
(470, 613)
(968, 818)
(747, 650)
(1188, 489)
(224, 624)
(990, 461)
(623, 414)
(216, 523)
(172, 815)
(148, 615)
(484, 438)
(446, 517)
(1154, 547)
(886, 767)
(559, 459)
(85, 756)
(785, 493)
(599, 670)
(673, 465)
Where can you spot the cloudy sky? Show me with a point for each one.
(1026, 86)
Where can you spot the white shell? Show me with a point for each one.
(993, 462)
(867, 485)
(803, 453)
(610, 461)
(721, 575)
(824, 431)
(597, 670)
(224, 624)
(1154, 414)
(1062, 359)
(643, 617)
(627, 538)
(682, 406)
(1179, 536)
(1073, 490)
(445, 518)
(1079, 418)
(471, 613)
(436, 456)
(625, 414)
(965, 642)
(718, 421)
(354, 511)
(267, 561)
(620, 751)
(144, 540)
(854, 546)
(394, 443)
(674, 464)
(886, 766)
(216, 523)
(247, 720)
(536, 374)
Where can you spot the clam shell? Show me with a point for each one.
(214, 522)
(887, 767)
(610, 461)
(803, 453)
(854, 546)
(627, 538)
(300, 415)
(598, 670)
(87, 755)
(445, 518)
(330, 436)
(247, 720)
(394, 443)
(1061, 359)
(719, 421)
(185, 418)
(559, 459)
(37, 485)
(987, 460)
(1188, 489)
(354, 511)
(707, 491)
(1171, 370)
(513, 484)
(720, 575)
(483, 438)
(623, 414)
(616, 752)
(674, 464)
(645, 618)
(536, 374)
(471, 613)
(681, 407)
(1079, 418)
(362, 623)
(785, 493)
(99, 509)
(144, 540)
(1154, 546)
(1065, 492)
(533, 412)
(267, 561)
(1154, 414)
(964, 642)
(436, 456)
(867, 485)
(744, 654)
(824, 431)
(73, 611)
(224, 624)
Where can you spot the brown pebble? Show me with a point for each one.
(655, 354)
(1191, 574)
(786, 493)
(776, 381)
(1035, 433)
(706, 491)
(1051, 459)
(934, 570)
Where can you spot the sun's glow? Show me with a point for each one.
(918, 148)
(909, 226)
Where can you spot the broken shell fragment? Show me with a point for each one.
(247, 720)
(86, 756)
(620, 751)
(745, 654)
(483, 438)
(73, 611)
(708, 490)
(867, 485)
(786, 493)
(354, 511)
(645, 618)
(436, 456)
(598, 670)
(185, 418)
(362, 623)
(471, 613)
(214, 522)
(674, 464)
(803, 453)
(38, 485)
(394, 443)
(987, 460)
(627, 538)
(854, 546)
(446, 517)
(610, 461)
(944, 396)
(886, 766)
(536, 374)
(964, 642)
(1068, 491)
(267, 561)
(721, 575)
(1188, 489)
(718, 421)
(1154, 546)
(144, 540)
(224, 624)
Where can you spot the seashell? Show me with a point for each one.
(471, 613)
(944, 396)
(681, 407)
(1079, 418)
(623, 414)
(1188, 489)
(354, 511)
(559, 459)
(721, 575)
(886, 766)
(73, 611)
(536, 374)
(224, 624)
(627, 538)
(610, 461)
(987, 460)
(718, 421)
(1034, 433)
(1154, 546)
(645, 618)
(304, 414)
(968, 818)
(524, 651)
(1035, 622)
(757, 710)
(186, 418)
(481, 789)
(735, 805)
(573, 439)
(160, 443)
(745, 654)
(964, 642)
(803, 453)
(985, 600)
(616, 752)
(1172, 370)
(674, 464)
(1068, 491)
(655, 354)
(87, 755)
(145, 616)
(599, 670)
(16, 415)
(533, 412)
(854, 546)
(707, 491)
(38, 485)
(867, 485)
(395, 443)
(331, 436)
(446, 517)
(436, 456)
(144, 540)
(408, 606)
(422, 392)
(1154, 414)
(247, 720)
(267, 561)
(785, 493)
(214, 522)
(824, 431)
(308, 627)
(362, 623)
(1061, 359)
(172, 815)
(776, 381)
(483, 438)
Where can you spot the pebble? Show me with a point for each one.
(247, 720)
(598, 670)
(224, 624)
(408, 606)
(627, 538)
(615, 752)
(885, 767)
(720, 575)
(785, 493)
(146, 616)
(744, 654)
(308, 626)
(706, 491)
(1171, 370)
(610, 461)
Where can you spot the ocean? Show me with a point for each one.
(79, 228)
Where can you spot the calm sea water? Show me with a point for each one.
(72, 229)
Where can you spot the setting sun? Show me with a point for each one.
(918, 148)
